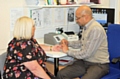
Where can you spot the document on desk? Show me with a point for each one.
(55, 54)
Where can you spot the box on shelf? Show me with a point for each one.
(35, 2)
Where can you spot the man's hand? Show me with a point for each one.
(64, 41)
(64, 45)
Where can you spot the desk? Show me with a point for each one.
(56, 56)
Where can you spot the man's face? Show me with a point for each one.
(80, 20)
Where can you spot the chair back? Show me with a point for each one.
(113, 36)
(2, 61)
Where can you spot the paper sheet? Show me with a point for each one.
(60, 17)
(48, 17)
(37, 16)
(15, 13)
(71, 15)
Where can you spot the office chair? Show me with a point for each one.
(113, 38)
(2, 61)
(114, 44)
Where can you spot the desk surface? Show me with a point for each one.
(40, 40)
(51, 53)
(55, 54)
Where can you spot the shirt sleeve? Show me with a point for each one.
(75, 44)
(95, 37)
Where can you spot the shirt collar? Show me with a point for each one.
(88, 24)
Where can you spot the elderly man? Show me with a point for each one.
(92, 60)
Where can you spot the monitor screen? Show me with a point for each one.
(104, 16)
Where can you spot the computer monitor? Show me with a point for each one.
(104, 16)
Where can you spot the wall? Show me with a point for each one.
(5, 7)
(116, 4)
(105, 3)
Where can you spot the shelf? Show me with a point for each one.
(57, 6)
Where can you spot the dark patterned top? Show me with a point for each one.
(20, 51)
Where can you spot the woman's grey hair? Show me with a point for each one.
(23, 28)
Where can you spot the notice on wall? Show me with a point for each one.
(49, 17)
(60, 17)
(71, 15)
(37, 16)
(15, 13)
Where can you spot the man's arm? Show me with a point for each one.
(75, 44)
(95, 38)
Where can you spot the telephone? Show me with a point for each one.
(53, 38)
(58, 38)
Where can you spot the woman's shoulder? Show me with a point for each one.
(34, 40)
(22, 41)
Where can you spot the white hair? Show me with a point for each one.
(23, 28)
(89, 12)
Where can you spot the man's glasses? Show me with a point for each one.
(77, 18)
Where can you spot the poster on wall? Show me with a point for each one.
(37, 16)
(71, 15)
(60, 17)
(47, 17)
(15, 13)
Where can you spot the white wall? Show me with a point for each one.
(105, 3)
(5, 6)
(116, 4)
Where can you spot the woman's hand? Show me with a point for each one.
(56, 47)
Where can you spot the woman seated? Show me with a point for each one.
(25, 57)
